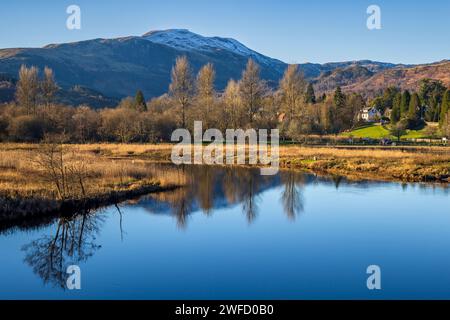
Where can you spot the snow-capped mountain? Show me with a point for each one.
(121, 66)
(183, 39)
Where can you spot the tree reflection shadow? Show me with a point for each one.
(291, 196)
(248, 192)
(72, 243)
(209, 187)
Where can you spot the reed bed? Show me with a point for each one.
(22, 175)
(399, 164)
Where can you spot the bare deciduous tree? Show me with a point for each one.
(86, 122)
(232, 105)
(292, 90)
(205, 95)
(67, 172)
(27, 89)
(252, 90)
(181, 87)
(48, 86)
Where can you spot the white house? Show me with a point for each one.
(370, 114)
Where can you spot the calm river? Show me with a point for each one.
(234, 234)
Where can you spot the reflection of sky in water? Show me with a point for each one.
(291, 236)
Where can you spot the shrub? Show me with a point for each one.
(27, 128)
(3, 127)
(413, 124)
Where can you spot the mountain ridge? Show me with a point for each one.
(118, 67)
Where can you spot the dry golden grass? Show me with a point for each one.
(405, 164)
(21, 174)
(115, 167)
(367, 153)
(160, 152)
(392, 163)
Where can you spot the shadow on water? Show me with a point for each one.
(72, 243)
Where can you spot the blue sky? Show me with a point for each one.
(294, 31)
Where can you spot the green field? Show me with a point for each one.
(377, 131)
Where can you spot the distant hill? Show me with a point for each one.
(345, 76)
(7, 87)
(76, 95)
(79, 95)
(119, 67)
(403, 77)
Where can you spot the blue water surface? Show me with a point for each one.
(233, 234)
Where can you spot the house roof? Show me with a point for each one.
(367, 109)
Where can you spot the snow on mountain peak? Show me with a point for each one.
(186, 40)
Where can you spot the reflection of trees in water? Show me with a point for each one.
(291, 197)
(208, 187)
(248, 190)
(182, 207)
(205, 182)
(180, 203)
(234, 185)
(229, 181)
(337, 181)
(72, 243)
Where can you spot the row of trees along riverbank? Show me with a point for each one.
(247, 103)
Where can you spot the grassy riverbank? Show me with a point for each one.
(39, 180)
(409, 164)
(37, 176)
